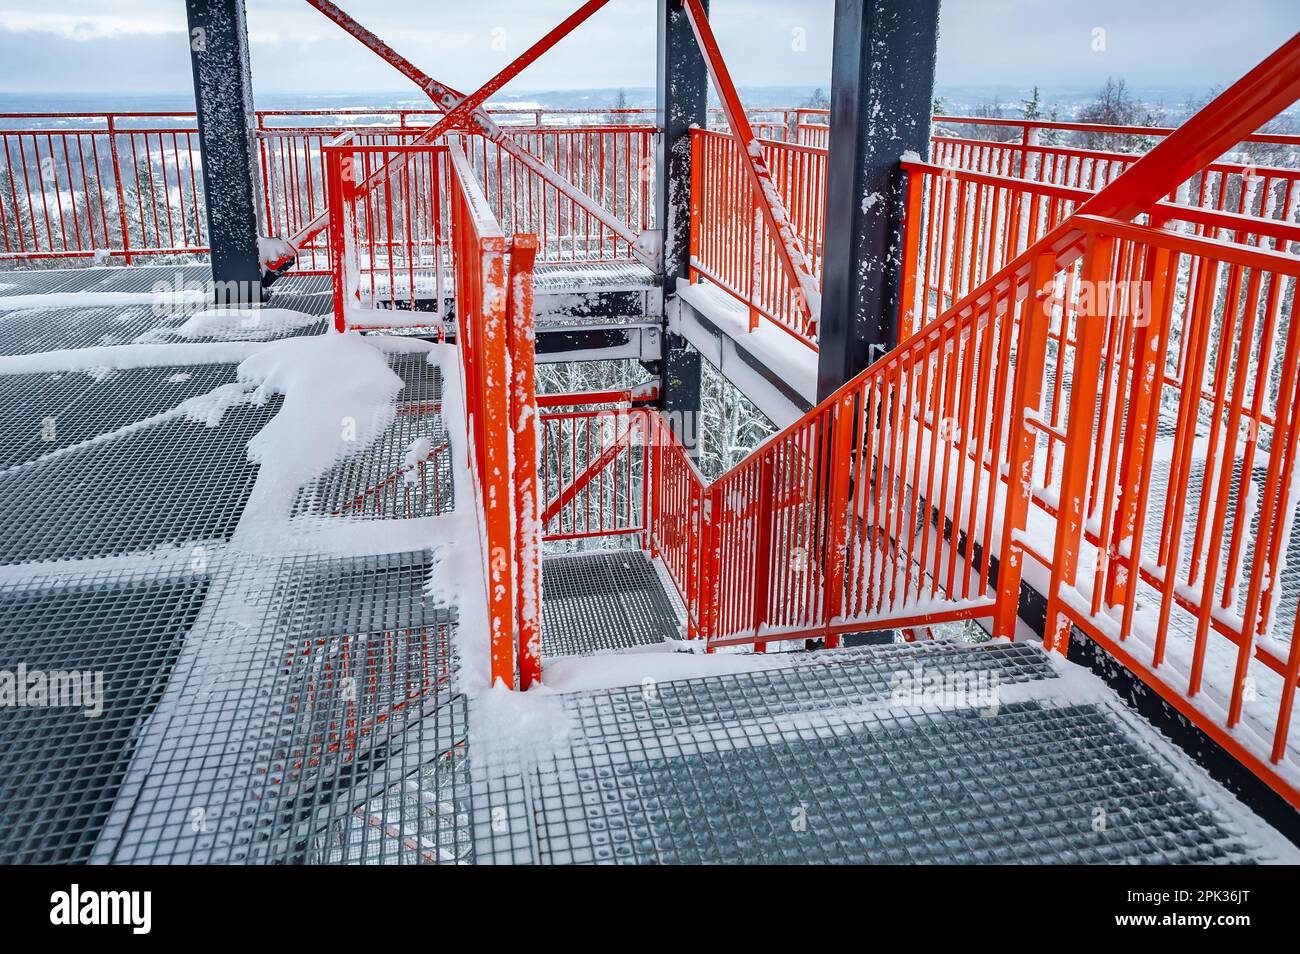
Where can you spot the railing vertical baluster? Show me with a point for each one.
(1026, 396)
(1090, 329)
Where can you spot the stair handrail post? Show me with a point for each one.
(843, 421)
(1026, 397)
(764, 552)
(1085, 387)
(520, 339)
(117, 184)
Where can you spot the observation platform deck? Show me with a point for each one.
(280, 647)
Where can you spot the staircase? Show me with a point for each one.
(1013, 449)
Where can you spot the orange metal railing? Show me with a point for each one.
(427, 212)
(612, 164)
(973, 207)
(1174, 494)
(388, 243)
(100, 185)
(595, 462)
(493, 323)
(962, 226)
(730, 243)
(1102, 402)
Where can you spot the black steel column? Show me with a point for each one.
(882, 91)
(223, 98)
(683, 97)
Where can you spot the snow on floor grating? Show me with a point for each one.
(259, 703)
(600, 601)
(48, 412)
(170, 483)
(818, 761)
(310, 692)
(406, 473)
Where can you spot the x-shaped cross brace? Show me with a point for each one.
(461, 112)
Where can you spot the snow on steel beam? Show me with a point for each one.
(794, 261)
(223, 99)
(468, 110)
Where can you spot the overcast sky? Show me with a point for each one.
(139, 45)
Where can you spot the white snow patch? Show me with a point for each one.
(250, 324)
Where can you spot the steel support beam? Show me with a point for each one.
(223, 101)
(682, 102)
(882, 90)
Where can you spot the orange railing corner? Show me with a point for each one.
(524, 473)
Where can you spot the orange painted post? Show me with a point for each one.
(654, 479)
(1084, 389)
(697, 201)
(1027, 390)
(338, 168)
(911, 255)
(482, 340)
(836, 507)
(763, 552)
(121, 194)
(710, 558)
(494, 465)
(523, 425)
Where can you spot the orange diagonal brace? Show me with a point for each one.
(594, 467)
(469, 106)
(794, 261)
(461, 109)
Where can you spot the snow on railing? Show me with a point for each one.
(494, 340)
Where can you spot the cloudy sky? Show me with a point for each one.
(139, 45)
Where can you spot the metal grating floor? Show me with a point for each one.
(379, 483)
(308, 691)
(602, 601)
(49, 412)
(814, 762)
(62, 767)
(170, 483)
(258, 707)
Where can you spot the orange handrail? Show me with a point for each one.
(912, 495)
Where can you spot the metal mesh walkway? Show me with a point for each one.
(821, 761)
(600, 601)
(298, 705)
(187, 698)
